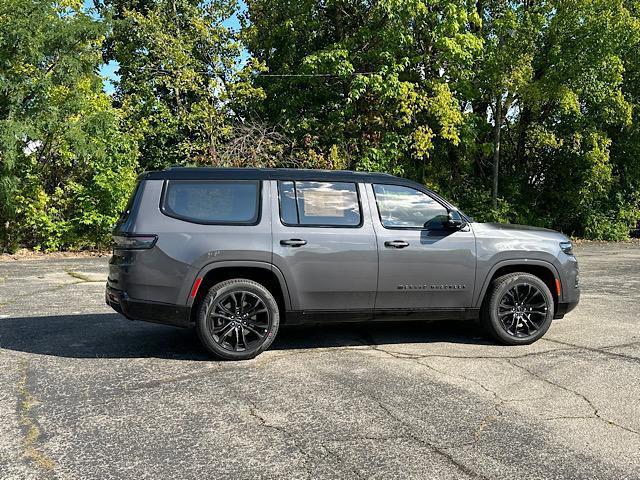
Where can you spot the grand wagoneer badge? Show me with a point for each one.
(432, 287)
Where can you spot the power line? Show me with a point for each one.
(353, 74)
(302, 75)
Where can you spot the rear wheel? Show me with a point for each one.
(518, 309)
(238, 319)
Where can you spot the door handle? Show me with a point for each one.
(396, 244)
(293, 242)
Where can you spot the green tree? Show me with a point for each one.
(65, 165)
(552, 73)
(182, 80)
(521, 111)
(375, 85)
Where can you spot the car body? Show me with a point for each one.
(327, 245)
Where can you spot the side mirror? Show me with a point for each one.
(454, 222)
(445, 222)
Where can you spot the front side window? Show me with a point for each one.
(331, 204)
(212, 201)
(406, 207)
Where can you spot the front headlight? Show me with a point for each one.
(567, 247)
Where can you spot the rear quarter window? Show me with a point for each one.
(212, 202)
(125, 215)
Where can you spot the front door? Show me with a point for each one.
(324, 243)
(422, 263)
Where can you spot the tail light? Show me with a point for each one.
(134, 242)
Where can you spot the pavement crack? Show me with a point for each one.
(488, 420)
(570, 417)
(622, 345)
(441, 451)
(339, 459)
(601, 350)
(596, 412)
(414, 356)
(29, 424)
(255, 413)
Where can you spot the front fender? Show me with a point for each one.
(480, 293)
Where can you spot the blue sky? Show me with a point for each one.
(109, 70)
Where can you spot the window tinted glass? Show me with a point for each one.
(319, 203)
(288, 210)
(405, 207)
(212, 201)
(124, 215)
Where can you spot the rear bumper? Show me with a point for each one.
(155, 312)
(564, 308)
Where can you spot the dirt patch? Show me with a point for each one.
(26, 254)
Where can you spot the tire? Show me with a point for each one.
(518, 309)
(225, 325)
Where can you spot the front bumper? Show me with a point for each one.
(155, 312)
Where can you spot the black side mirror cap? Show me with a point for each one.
(455, 223)
(442, 222)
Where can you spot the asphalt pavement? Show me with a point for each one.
(86, 394)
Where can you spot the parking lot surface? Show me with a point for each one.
(86, 394)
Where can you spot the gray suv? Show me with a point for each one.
(237, 252)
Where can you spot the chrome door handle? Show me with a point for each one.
(293, 242)
(396, 244)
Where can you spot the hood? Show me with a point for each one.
(522, 231)
(513, 226)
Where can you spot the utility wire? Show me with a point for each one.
(302, 75)
(353, 74)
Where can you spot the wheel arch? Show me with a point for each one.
(264, 273)
(545, 271)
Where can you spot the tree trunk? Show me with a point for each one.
(525, 119)
(497, 120)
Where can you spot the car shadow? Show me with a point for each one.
(112, 336)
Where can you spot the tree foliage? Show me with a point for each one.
(66, 165)
(534, 96)
(376, 81)
(523, 111)
(181, 82)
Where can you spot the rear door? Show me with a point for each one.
(324, 243)
(422, 264)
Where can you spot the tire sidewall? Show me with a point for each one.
(222, 289)
(500, 289)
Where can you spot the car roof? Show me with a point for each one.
(208, 173)
(301, 174)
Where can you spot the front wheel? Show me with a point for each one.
(518, 309)
(238, 319)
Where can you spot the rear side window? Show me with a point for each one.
(213, 202)
(323, 204)
(124, 215)
(406, 207)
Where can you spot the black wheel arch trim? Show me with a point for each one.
(186, 291)
(514, 262)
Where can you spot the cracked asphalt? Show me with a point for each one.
(87, 394)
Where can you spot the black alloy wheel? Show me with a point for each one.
(522, 310)
(238, 319)
(518, 309)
